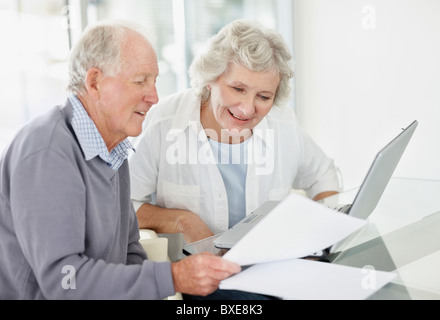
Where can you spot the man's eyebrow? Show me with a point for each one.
(146, 75)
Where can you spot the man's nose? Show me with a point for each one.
(151, 95)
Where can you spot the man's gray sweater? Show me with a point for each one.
(68, 229)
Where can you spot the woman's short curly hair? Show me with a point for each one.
(249, 44)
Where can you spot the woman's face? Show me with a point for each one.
(240, 99)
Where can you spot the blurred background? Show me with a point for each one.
(364, 68)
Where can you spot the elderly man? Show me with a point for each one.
(68, 229)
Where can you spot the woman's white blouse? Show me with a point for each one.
(174, 167)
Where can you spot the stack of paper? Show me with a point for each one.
(298, 227)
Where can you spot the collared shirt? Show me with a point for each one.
(174, 165)
(91, 141)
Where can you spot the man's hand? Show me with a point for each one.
(201, 274)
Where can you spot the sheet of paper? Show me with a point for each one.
(297, 227)
(300, 279)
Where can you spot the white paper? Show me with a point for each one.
(295, 228)
(301, 279)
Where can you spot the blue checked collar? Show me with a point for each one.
(91, 141)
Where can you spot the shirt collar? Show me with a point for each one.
(91, 141)
(188, 113)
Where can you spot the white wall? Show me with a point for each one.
(365, 69)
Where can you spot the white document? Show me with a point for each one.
(301, 279)
(295, 228)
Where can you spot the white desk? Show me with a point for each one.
(403, 236)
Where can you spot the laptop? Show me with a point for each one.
(365, 202)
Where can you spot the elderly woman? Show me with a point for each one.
(212, 154)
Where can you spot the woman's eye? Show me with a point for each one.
(238, 89)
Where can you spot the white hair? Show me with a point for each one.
(249, 44)
(99, 47)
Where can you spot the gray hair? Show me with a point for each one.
(99, 47)
(250, 45)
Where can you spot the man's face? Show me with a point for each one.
(126, 98)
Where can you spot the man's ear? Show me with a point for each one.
(93, 81)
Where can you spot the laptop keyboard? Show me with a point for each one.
(344, 209)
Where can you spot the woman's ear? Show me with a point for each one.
(94, 77)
